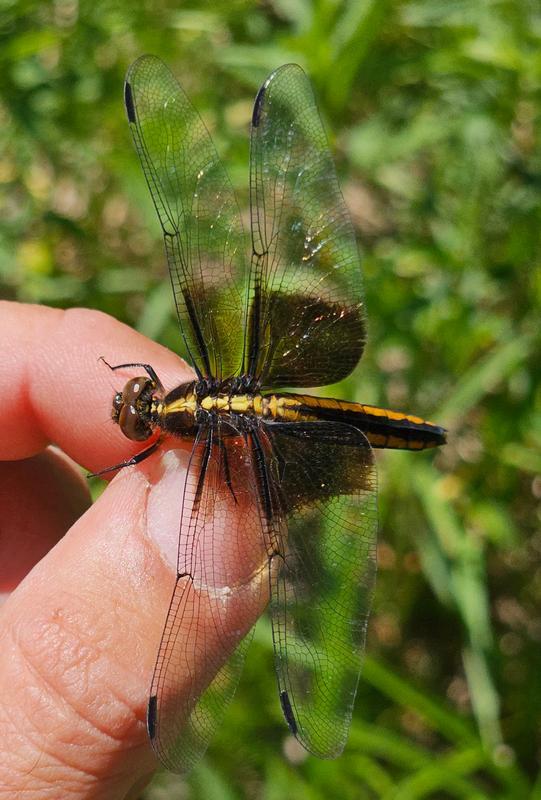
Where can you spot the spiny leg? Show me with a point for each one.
(130, 462)
(148, 369)
(227, 471)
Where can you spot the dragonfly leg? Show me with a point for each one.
(227, 471)
(130, 462)
(148, 369)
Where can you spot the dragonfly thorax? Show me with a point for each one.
(200, 402)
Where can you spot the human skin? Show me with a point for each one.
(86, 586)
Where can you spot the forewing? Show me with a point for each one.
(324, 485)
(305, 325)
(198, 214)
(221, 589)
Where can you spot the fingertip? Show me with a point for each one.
(55, 389)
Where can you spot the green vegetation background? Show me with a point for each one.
(434, 112)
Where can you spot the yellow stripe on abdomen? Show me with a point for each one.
(381, 426)
(388, 414)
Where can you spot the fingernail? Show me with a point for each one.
(167, 477)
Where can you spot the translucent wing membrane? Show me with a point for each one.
(198, 214)
(293, 503)
(324, 526)
(305, 324)
(221, 589)
(286, 510)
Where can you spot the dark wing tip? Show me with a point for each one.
(152, 716)
(144, 62)
(260, 97)
(128, 102)
(288, 712)
(257, 105)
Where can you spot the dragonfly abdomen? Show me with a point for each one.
(382, 427)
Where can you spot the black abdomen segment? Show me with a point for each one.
(383, 428)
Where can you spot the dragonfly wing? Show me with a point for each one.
(305, 316)
(198, 214)
(324, 539)
(220, 590)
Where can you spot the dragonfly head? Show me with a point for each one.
(132, 408)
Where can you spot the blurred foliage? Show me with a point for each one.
(434, 111)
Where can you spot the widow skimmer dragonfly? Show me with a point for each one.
(286, 479)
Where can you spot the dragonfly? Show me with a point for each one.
(279, 480)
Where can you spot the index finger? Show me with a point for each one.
(54, 388)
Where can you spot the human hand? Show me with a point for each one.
(81, 624)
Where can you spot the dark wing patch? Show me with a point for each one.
(306, 318)
(128, 102)
(257, 106)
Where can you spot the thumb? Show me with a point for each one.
(80, 635)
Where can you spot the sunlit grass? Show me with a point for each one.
(434, 116)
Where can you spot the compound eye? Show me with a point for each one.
(117, 406)
(132, 425)
(134, 389)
